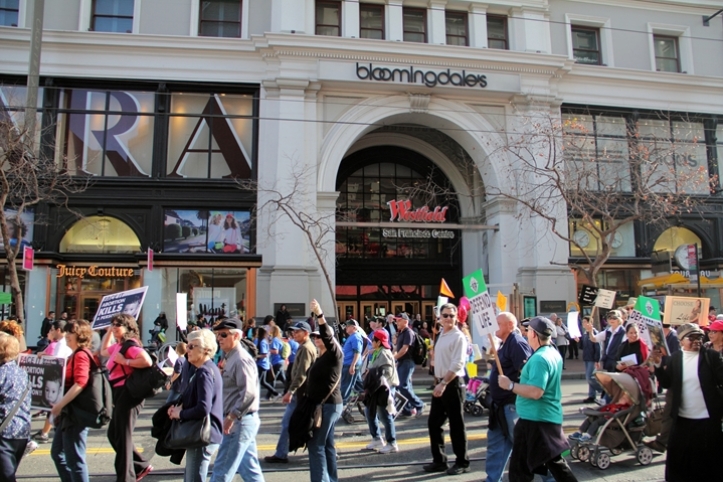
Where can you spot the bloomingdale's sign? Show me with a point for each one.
(429, 78)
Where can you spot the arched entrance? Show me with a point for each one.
(384, 270)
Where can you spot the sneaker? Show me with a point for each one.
(375, 444)
(589, 400)
(420, 412)
(575, 436)
(586, 437)
(390, 448)
(144, 472)
(435, 467)
(30, 448)
(273, 459)
(600, 401)
(41, 438)
(457, 470)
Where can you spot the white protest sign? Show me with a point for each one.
(573, 328)
(182, 311)
(605, 299)
(46, 375)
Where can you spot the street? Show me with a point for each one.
(355, 463)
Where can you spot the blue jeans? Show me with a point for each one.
(348, 382)
(499, 448)
(197, 461)
(405, 369)
(68, 453)
(594, 386)
(282, 446)
(387, 420)
(322, 453)
(238, 452)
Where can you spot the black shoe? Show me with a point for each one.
(436, 467)
(273, 459)
(457, 470)
(589, 400)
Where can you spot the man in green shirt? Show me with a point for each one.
(538, 438)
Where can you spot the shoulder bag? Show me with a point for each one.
(189, 434)
(318, 409)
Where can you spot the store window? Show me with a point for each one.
(586, 237)
(667, 57)
(456, 26)
(719, 149)
(210, 292)
(414, 25)
(371, 21)
(9, 10)
(220, 18)
(210, 136)
(82, 287)
(112, 16)
(100, 234)
(586, 45)
(497, 32)
(106, 132)
(328, 18)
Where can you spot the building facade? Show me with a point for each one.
(348, 109)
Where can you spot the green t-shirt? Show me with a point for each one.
(543, 370)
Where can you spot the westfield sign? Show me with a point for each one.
(402, 212)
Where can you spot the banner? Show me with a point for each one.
(444, 289)
(501, 301)
(46, 375)
(587, 295)
(128, 302)
(680, 309)
(605, 299)
(646, 315)
(484, 320)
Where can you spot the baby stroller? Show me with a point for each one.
(475, 402)
(622, 431)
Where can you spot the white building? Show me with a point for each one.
(401, 88)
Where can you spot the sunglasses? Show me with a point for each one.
(447, 315)
(193, 347)
(695, 337)
(116, 324)
(223, 335)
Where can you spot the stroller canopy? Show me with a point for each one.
(615, 384)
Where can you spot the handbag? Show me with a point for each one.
(318, 418)
(189, 434)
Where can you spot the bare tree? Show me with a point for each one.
(293, 199)
(28, 178)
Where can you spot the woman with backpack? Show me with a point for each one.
(68, 449)
(125, 353)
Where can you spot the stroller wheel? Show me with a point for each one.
(573, 451)
(583, 453)
(477, 411)
(468, 407)
(644, 455)
(593, 458)
(616, 451)
(603, 460)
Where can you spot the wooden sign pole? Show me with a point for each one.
(494, 351)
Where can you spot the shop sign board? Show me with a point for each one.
(129, 302)
(94, 271)
(46, 375)
(681, 309)
(402, 211)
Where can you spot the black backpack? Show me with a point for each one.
(144, 382)
(250, 347)
(93, 407)
(419, 349)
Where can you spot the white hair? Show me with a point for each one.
(207, 340)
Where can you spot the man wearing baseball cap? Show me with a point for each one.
(538, 437)
(405, 366)
(305, 357)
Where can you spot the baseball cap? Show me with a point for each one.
(401, 316)
(301, 325)
(230, 323)
(383, 337)
(352, 322)
(542, 325)
(717, 325)
(614, 314)
(688, 329)
(315, 333)
(631, 302)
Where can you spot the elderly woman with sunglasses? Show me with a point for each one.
(122, 346)
(202, 397)
(693, 375)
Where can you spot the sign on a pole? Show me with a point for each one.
(681, 309)
(646, 315)
(128, 302)
(182, 311)
(484, 320)
(28, 258)
(587, 295)
(605, 299)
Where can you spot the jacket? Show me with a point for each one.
(160, 427)
(590, 348)
(710, 374)
(613, 342)
(385, 360)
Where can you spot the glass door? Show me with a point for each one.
(428, 311)
(346, 310)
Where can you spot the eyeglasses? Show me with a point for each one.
(695, 337)
(116, 324)
(193, 347)
(447, 315)
(223, 335)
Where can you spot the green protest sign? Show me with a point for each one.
(482, 312)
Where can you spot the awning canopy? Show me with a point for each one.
(680, 281)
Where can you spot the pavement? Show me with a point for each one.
(355, 463)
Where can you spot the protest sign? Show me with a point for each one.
(128, 302)
(679, 310)
(605, 299)
(182, 311)
(484, 320)
(573, 329)
(46, 375)
(646, 315)
(501, 301)
(587, 295)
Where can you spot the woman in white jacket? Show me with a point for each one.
(380, 356)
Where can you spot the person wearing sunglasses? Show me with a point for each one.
(122, 346)
(202, 397)
(694, 376)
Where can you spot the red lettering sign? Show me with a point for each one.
(402, 211)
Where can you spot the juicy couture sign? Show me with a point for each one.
(428, 78)
(402, 211)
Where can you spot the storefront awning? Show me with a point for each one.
(679, 281)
